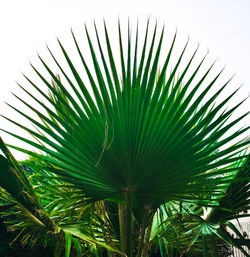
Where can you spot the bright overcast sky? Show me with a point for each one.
(222, 26)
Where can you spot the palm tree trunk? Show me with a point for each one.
(123, 227)
(205, 248)
(126, 224)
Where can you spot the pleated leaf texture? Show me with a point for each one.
(145, 129)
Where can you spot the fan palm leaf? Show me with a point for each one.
(145, 139)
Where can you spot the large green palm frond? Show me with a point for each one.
(147, 134)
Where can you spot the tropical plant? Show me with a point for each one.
(190, 228)
(52, 214)
(132, 144)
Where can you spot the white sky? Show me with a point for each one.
(222, 26)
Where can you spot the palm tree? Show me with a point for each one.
(140, 141)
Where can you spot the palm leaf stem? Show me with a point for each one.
(205, 246)
(143, 230)
(147, 240)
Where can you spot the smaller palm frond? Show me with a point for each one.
(16, 184)
(184, 226)
(54, 212)
(236, 203)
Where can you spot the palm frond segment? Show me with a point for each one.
(13, 180)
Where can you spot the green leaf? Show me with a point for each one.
(78, 247)
(76, 232)
(68, 241)
(149, 133)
